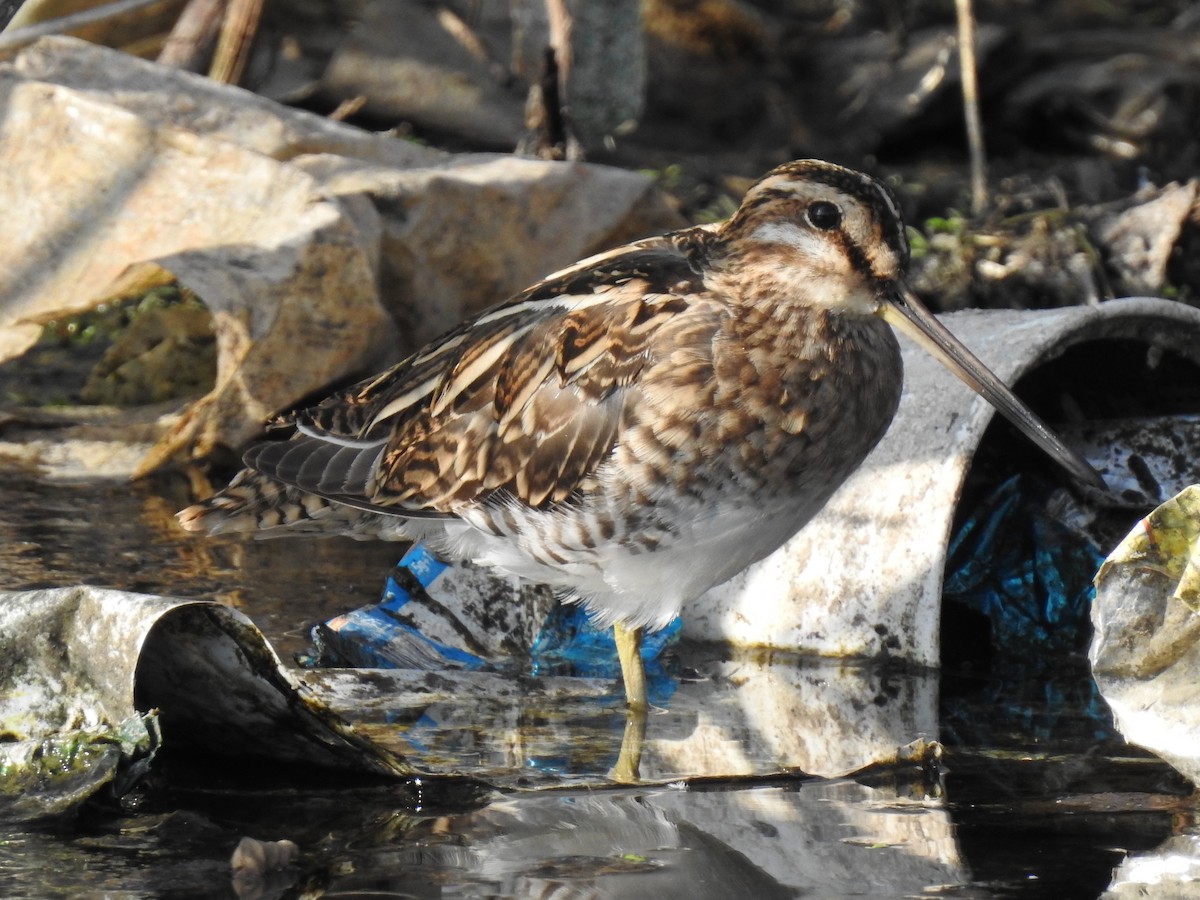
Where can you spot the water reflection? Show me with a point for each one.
(740, 717)
(817, 838)
(827, 838)
(1173, 867)
(122, 534)
(755, 714)
(752, 715)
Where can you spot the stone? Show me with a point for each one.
(323, 252)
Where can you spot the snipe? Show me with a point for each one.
(642, 425)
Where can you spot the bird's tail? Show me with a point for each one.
(256, 503)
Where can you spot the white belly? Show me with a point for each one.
(619, 581)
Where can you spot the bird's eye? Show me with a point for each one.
(823, 215)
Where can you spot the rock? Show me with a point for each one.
(103, 181)
(253, 858)
(308, 241)
(460, 237)
(169, 98)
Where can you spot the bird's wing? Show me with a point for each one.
(524, 399)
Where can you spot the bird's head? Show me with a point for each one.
(824, 235)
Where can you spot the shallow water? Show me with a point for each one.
(1037, 797)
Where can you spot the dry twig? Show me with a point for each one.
(970, 89)
(190, 43)
(236, 40)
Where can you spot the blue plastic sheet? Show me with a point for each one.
(1029, 574)
(571, 644)
(376, 637)
(568, 644)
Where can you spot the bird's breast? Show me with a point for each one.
(779, 407)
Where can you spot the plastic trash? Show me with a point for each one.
(390, 634)
(1145, 654)
(1027, 572)
(383, 636)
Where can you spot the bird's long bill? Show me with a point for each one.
(907, 314)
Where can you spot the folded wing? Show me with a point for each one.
(525, 401)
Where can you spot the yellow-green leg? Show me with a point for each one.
(629, 651)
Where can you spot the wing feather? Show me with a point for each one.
(525, 400)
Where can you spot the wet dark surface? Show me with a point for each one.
(1038, 797)
(123, 535)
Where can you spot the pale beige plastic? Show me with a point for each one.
(864, 578)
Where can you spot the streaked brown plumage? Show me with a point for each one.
(640, 426)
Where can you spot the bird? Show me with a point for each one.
(637, 427)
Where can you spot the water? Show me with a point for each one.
(1037, 796)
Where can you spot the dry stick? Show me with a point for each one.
(562, 23)
(20, 37)
(458, 29)
(237, 38)
(348, 107)
(970, 91)
(190, 43)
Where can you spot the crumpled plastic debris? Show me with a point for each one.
(394, 633)
(1026, 571)
(381, 637)
(48, 776)
(1145, 653)
(570, 643)
(94, 680)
